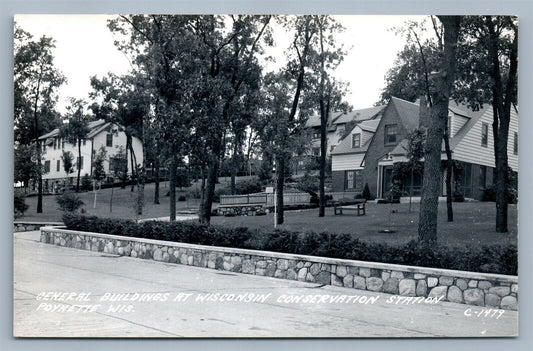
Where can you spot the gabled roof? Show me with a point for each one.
(407, 111)
(409, 115)
(474, 118)
(94, 127)
(345, 147)
(369, 125)
(341, 117)
(358, 115)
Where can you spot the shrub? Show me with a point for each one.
(20, 205)
(69, 202)
(366, 193)
(500, 259)
(458, 196)
(86, 183)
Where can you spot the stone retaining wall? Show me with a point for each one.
(479, 289)
(21, 226)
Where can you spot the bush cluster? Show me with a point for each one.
(500, 259)
(69, 202)
(241, 188)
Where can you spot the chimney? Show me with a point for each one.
(424, 113)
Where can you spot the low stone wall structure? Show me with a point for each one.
(26, 226)
(416, 283)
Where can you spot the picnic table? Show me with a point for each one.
(357, 205)
(240, 209)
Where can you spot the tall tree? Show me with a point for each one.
(75, 130)
(164, 48)
(444, 79)
(491, 57)
(304, 29)
(36, 80)
(328, 56)
(231, 69)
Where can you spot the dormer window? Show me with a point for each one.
(484, 134)
(356, 140)
(390, 134)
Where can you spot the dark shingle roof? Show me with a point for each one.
(358, 115)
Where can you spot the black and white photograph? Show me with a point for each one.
(266, 176)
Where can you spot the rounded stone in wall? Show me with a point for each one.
(446, 280)
(509, 303)
(492, 300)
(438, 291)
(474, 297)
(347, 281)
(407, 287)
(421, 288)
(461, 284)
(391, 286)
(374, 284)
(455, 294)
(359, 282)
(501, 291)
(484, 285)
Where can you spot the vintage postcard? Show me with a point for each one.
(244, 176)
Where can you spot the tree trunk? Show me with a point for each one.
(323, 146)
(501, 117)
(427, 225)
(280, 180)
(79, 167)
(212, 173)
(156, 191)
(39, 180)
(172, 185)
(449, 167)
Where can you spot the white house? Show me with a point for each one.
(101, 134)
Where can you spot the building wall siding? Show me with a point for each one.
(347, 162)
(470, 149)
(377, 148)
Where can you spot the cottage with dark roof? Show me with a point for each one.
(471, 142)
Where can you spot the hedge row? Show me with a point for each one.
(501, 259)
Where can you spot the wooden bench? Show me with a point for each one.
(239, 209)
(358, 206)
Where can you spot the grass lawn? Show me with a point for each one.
(474, 223)
(123, 203)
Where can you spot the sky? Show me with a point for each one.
(84, 48)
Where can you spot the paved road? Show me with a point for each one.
(63, 292)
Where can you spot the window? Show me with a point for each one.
(83, 142)
(390, 134)
(62, 143)
(515, 143)
(58, 167)
(356, 140)
(484, 134)
(55, 143)
(316, 135)
(353, 180)
(316, 151)
(46, 166)
(79, 162)
(109, 140)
